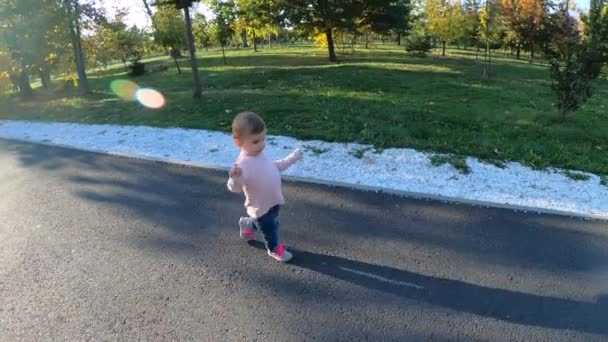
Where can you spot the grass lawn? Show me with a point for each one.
(379, 96)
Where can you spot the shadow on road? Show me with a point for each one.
(505, 305)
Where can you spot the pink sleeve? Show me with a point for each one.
(235, 184)
(291, 159)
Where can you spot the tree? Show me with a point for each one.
(524, 20)
(35, 46)
(327, 16)
(170, 28)
(185, 5)
(74, 14)
(221, 30)
(26, 45)
(596, 27)
(383, 17)
(112, 39)
(257, 18)
(202, 31)
(492, 30)
(445, 21)
(418, 41)
(322, 16)
(472, 23)
(378, 16)
(575, 60)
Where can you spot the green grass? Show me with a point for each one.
(359, 152)
(458, 162)
(317, 151)
(379, 96)
(577, 176)
(496, 162)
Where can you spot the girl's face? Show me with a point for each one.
(252, 144)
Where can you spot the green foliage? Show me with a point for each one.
(202, 31)
(491, 24)
(458, 162)
(445, 21)
(380, 97)
(418, 42)
(169, 27)
(472, 24)
(114, 40)
(359, 152)
(575, 61)
(317, 151)
(577, 176)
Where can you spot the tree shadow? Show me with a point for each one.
(165, 197)
(501, 304)
(487, 235)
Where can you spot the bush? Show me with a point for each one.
(418, 43)
(137, 68)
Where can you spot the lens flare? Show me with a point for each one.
(150, 98)
(124, 89)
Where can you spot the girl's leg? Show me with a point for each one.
(269, 225)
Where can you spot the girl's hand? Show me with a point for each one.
(236, 171)
(298, 154)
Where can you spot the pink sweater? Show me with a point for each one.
(260, 180)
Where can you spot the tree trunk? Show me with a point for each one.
(197, 87)
(562, 114)
(244, 37)
(45, 75)
(532, 54)
(15, 81)
(486, 64)
(443, 48)
(490, 60)
(330, 45)
(366, 40)
(255, 43)
(74, 29)
(398, 38)
(45, 78)
(179, 71)
(518, 52)
(25, 89)
(224, 54)
(124, 63)
(149, 12)
(269, 38)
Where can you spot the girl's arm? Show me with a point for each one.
(235, 182)
(291, 159)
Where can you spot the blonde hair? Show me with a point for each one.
(247, 123)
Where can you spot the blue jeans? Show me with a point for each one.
(269, 225)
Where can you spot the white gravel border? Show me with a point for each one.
(403, 171)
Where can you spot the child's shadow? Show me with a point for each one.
(506, 305)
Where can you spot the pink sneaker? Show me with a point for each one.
(246, 228)
(281, 254)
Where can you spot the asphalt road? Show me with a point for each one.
(94, 247)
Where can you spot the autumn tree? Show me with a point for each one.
(445, 21)
(577, 60)
(492, 30)
(524, 21)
